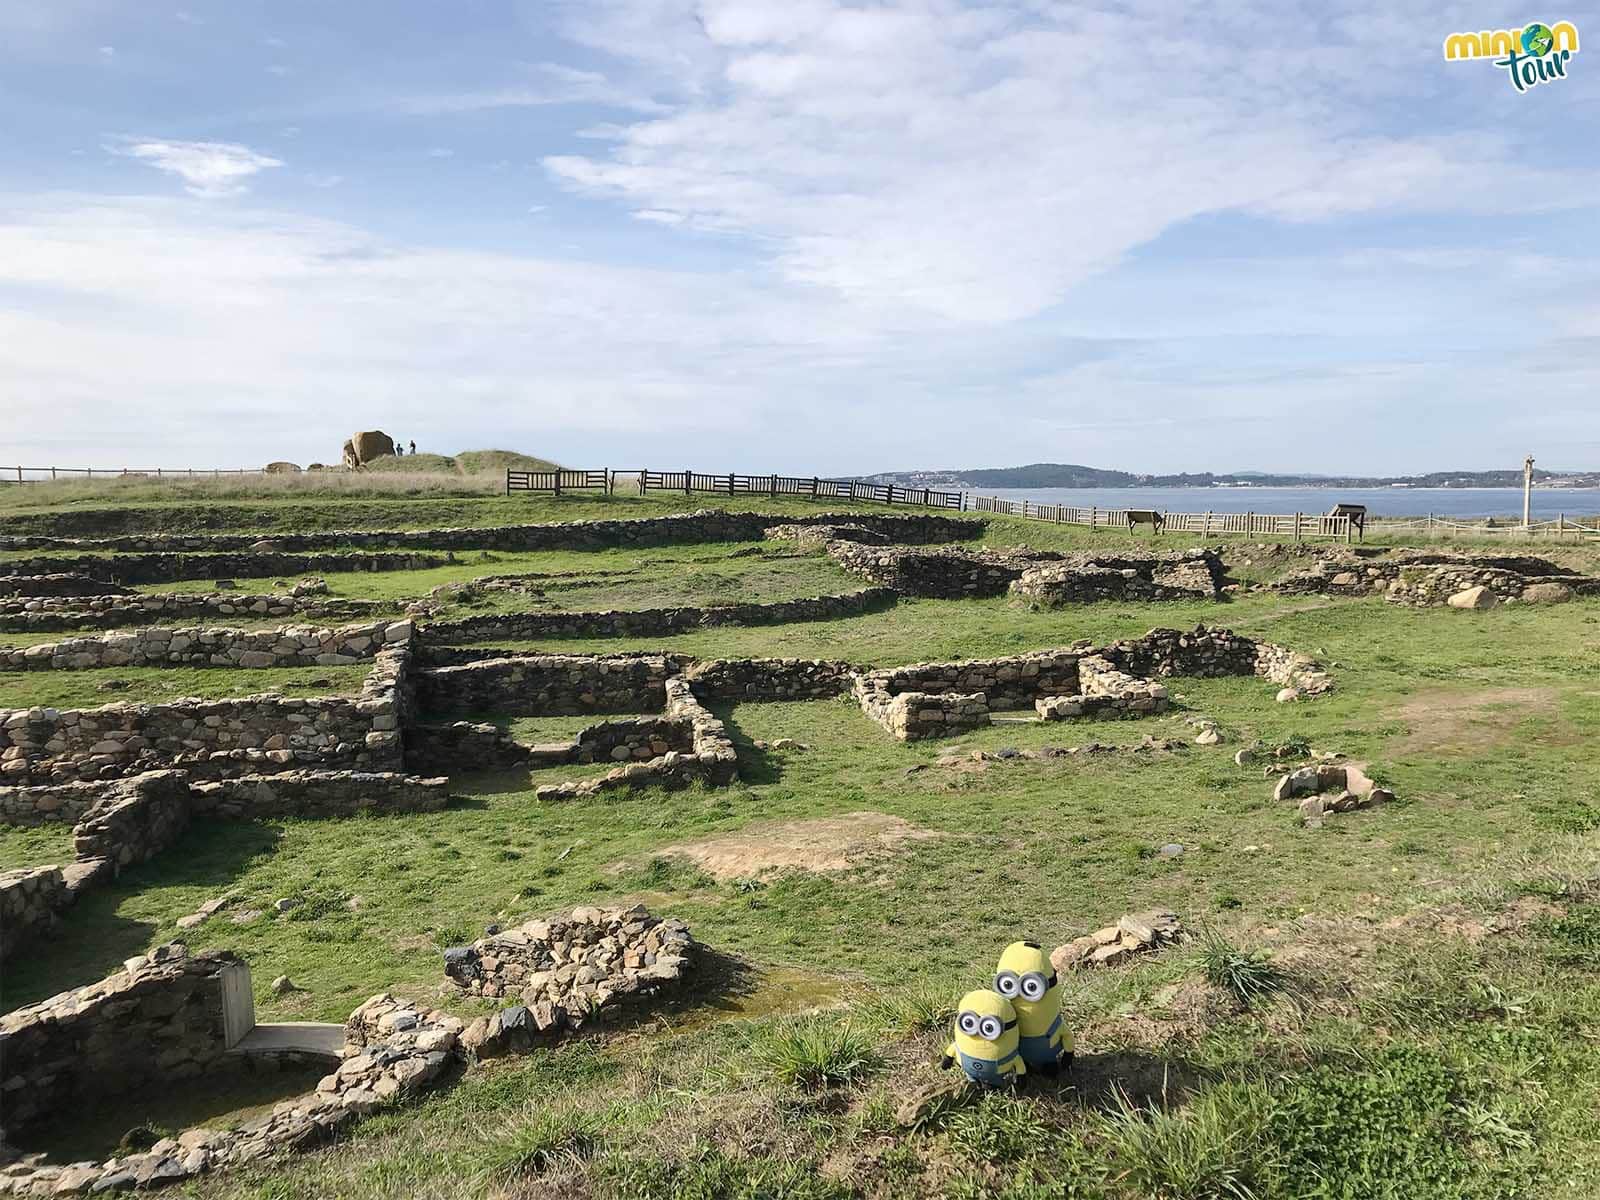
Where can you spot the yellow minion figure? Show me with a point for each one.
(1026, 978)
(986, 1040)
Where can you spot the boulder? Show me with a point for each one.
(1477, 598)
(282, 468)
(1547, 593)
(370, 445)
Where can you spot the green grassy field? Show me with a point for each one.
(1431, 964)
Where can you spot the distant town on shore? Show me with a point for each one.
(1068, 475)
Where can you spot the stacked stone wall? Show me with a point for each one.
(710, 759)
(755, 679)
(937, 572)
(59, 614)
(29, 900)
(54, 584)
(136, 821)
(158, 1021)
(1008, 683)
(213, 738)
(318, 794)
(546, 685)
(702, 525)
(1425, 579)
(1203, 652)
(293, 646)
(178, 568)
(1194, 575)
(654, 622)
(64, 803)
(913, 716)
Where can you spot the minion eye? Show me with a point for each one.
(967, 1023)
(1006, 984)
(1033, 986)
(990, 1028)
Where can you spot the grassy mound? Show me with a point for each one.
(468, 462)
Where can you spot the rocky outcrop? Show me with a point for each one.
(1323, 788)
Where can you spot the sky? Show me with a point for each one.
(813, 236)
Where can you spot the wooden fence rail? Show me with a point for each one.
(811, 487)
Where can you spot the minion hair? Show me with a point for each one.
(1031, 945)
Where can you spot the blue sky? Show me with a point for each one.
(800, 235)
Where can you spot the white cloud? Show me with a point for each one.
(981, 162)
(549, 84)
(208, 169)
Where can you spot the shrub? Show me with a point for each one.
(816, 1052)
(1249, 975)
(1385, 1130)
(709, 1173)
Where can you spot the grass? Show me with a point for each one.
(1424, 1057)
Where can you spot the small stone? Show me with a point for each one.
(282, 986)
(285, 904)
(1207, 737)
(1170, 850)
(1288, 694)
(1478, 598)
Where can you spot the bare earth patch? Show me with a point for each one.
(820, 844)
(1452, 720)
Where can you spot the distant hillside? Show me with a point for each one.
(1069, 475)
(468, 462)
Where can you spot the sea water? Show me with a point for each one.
(1381, 502)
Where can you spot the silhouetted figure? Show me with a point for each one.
(399, 448)
(413, 447)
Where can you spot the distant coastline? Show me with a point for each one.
(1069, 475)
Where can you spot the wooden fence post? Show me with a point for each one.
(814, 482)
(730, 483)
(508, 481)
(556, 475)
(774, 484)
(1094, 515)
(687, 476)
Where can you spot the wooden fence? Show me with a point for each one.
(1293, 525)
(559, 481)
(46, 474)
(812, 487)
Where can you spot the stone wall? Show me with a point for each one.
(1008, 683)
(567, 971)
(912, 716)
(213, 738)
(711, 758)
(57, 584)
(61, 613)
(1202, 652)
(1107, 691)
(461, 746)
(176, 568)
(654, 622)
(938, 572)
(30, 897)
(65, 802)
(702, 525)
(540, 685)
(753, 679)
(136, 820)
(1424, 578)
(392, 1050)
(1195, 575)
(816, 537)
(293, 646)
(319, 794)
(157, 1021)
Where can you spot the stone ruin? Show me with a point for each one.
(1044, 578)
(927, 700)
(1327, 787)
(171, 1016)
(1423, 579)
(567, 971)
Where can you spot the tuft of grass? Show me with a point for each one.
(922, 1008)
(1248, 974)
(1217, 1148)
(815, 1052)
(531, 1149)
